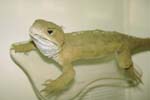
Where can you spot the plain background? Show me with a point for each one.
(16, 16)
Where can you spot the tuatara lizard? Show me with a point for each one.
(52, 42)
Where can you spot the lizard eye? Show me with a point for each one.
(50, 31)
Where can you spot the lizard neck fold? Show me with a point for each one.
(46, 47)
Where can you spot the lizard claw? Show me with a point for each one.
(52, 87)
(22, 47)
(134, 76)
(47, 82)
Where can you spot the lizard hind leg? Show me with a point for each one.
(124, 60)
(133, 76)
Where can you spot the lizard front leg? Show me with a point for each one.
(61, 83)
(124, 60)
(23, 47)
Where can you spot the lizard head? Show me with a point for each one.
(47, 36)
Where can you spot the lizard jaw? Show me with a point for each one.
(46, 47)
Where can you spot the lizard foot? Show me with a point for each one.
(134, 76)
(53, 87)
(22, 47)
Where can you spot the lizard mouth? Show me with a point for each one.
(46, 47)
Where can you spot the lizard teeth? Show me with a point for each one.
(45, 46)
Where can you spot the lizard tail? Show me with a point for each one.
(139, 45)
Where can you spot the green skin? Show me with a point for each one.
(85, 45)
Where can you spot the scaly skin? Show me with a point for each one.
(85, 45)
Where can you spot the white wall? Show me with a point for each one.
(16, 16)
